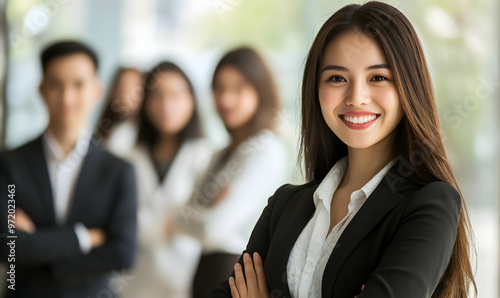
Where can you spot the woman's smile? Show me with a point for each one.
(359, 120)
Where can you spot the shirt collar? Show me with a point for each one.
(55, 152)
(329, 184)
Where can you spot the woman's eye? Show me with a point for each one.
(379, 78)
(336, 79)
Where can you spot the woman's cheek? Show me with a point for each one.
(329, 99)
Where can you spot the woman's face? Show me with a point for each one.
(128, 91)
(235, 98)
(358, 98)
(170, 103)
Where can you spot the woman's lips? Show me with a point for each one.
(359, 120)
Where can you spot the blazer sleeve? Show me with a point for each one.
(51, 244)
(46, 245)
(118, 252)
(415, 260)
(261, 234)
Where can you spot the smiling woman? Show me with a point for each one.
(382, 214)
(358, 98)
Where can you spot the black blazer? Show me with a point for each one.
(399, 243)
(49, 262)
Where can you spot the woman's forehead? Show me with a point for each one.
(353, 49)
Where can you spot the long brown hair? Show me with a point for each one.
(418, 133)
(253, 67)
(115, 112)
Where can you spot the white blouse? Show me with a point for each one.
(164, 266)
(252, 174)
(311, 251)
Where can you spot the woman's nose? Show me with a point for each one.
(357, 94)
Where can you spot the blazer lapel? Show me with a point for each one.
(299, 211)
(84, 183)
(41, 177)
(383, 199)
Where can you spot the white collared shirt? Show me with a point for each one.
(252, 173)
(311, 251)
(63, 174)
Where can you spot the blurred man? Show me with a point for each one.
(74, 205)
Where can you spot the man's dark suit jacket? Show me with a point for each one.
(399, 244)
(49, 262)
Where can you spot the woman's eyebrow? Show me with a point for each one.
(342, 68)
(335, 67)
(378, 66)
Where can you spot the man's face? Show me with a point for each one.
(70, 89)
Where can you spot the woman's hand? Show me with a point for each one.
(362, 287)
(255, 285)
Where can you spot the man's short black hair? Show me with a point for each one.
(63, 48)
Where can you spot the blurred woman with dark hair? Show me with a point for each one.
(382, 214)
(228, 200)
(170, 154)
(118, 126)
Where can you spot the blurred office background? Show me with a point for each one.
(461, 39)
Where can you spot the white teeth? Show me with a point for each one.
(359, 120)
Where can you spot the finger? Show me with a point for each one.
(31, 226)
(24, 225)
(20, 215)
(362, 287)
(250, 274)
(24, 222)
(20, 226)
(259, 270)
(240, 280)
(234, 289)
(100, 237)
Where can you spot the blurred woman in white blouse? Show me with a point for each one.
(168, 158)
(229, 199)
